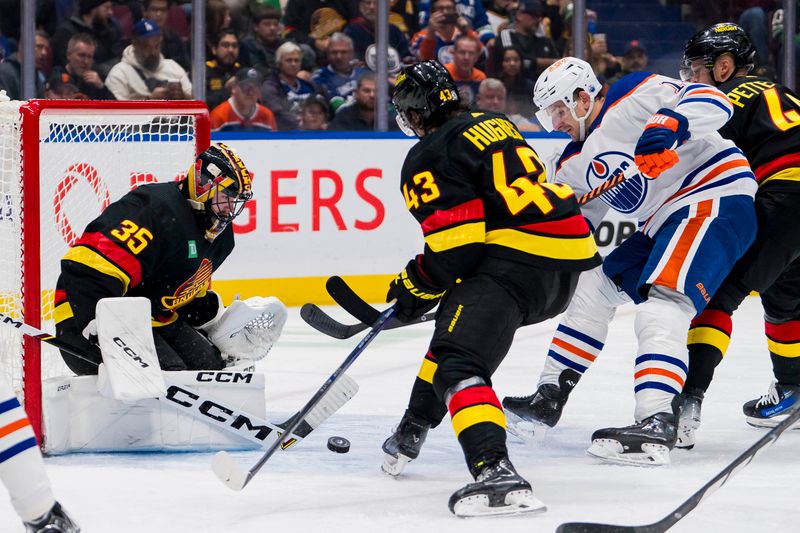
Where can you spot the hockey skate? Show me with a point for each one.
(770, 410)
(404, 444)
(530, 417)
(498, 490)
(56, 520)
(688, 408)
(646, 443)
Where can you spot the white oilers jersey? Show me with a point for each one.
(709, 166)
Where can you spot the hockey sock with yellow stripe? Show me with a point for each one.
(784, 350)
(424, 403)
(479, 423)
(708, 340)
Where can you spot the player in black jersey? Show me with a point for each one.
(766, 127)
(503, 249)
(161, 241)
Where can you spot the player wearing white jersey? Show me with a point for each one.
(693, 200)
(22, 471)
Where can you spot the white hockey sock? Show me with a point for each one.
(662, 359)
(21, 465)
(582, 332)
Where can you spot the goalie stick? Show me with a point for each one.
(190, 401)
(226, 468)
(324, 323)
(694, 500)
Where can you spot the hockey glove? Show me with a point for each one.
(414, 292)
(663, 133)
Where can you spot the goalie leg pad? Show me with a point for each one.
(249, 328)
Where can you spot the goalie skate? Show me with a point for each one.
(646, 443)
(404, 444)
(498, 490)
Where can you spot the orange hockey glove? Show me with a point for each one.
(663, 133)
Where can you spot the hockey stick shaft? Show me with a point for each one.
(180, 396)
(694, 500)
(237, 482)
(615, 180)
(365, 313)
(324, 323)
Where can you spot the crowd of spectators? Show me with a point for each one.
(310, 64)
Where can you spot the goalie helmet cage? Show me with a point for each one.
(61, 163)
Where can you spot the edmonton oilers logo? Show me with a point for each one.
(625, 197)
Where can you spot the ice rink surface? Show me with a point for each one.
(309, 488)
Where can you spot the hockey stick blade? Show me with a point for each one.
(694, 500)
(226, 469)
(350, 301)
(588, 527)
(324, 323)
(340, 393)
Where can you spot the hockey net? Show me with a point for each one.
(61, 163)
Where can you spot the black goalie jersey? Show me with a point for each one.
(149, 243)
(477, 189)
(766, 127)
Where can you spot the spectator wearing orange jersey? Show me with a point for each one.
(242, 112)
(462, 69)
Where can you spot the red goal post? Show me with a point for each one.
(61, 163)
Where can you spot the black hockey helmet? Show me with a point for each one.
(427, 89)
(218, 176)
(712, 42)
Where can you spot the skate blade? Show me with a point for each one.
(686, 432)
(769, 422)
(394, 466)
(611, 451)
(686, 438)
(526, 430)
(517, 502)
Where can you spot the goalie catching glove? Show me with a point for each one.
(414, 291)
(247, 330)
(663, 133)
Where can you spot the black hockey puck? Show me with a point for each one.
(338, 444)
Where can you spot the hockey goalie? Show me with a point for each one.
(134, 299)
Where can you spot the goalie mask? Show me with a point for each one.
(219, 184)
(712, 42)
(428, 90)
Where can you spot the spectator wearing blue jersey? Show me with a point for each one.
(472, 10)
(340, 77)
(284, 92)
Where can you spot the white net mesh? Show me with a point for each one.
(87, 159)
(10, 240)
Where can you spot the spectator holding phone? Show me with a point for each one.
(143, 73)
(438, 38)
